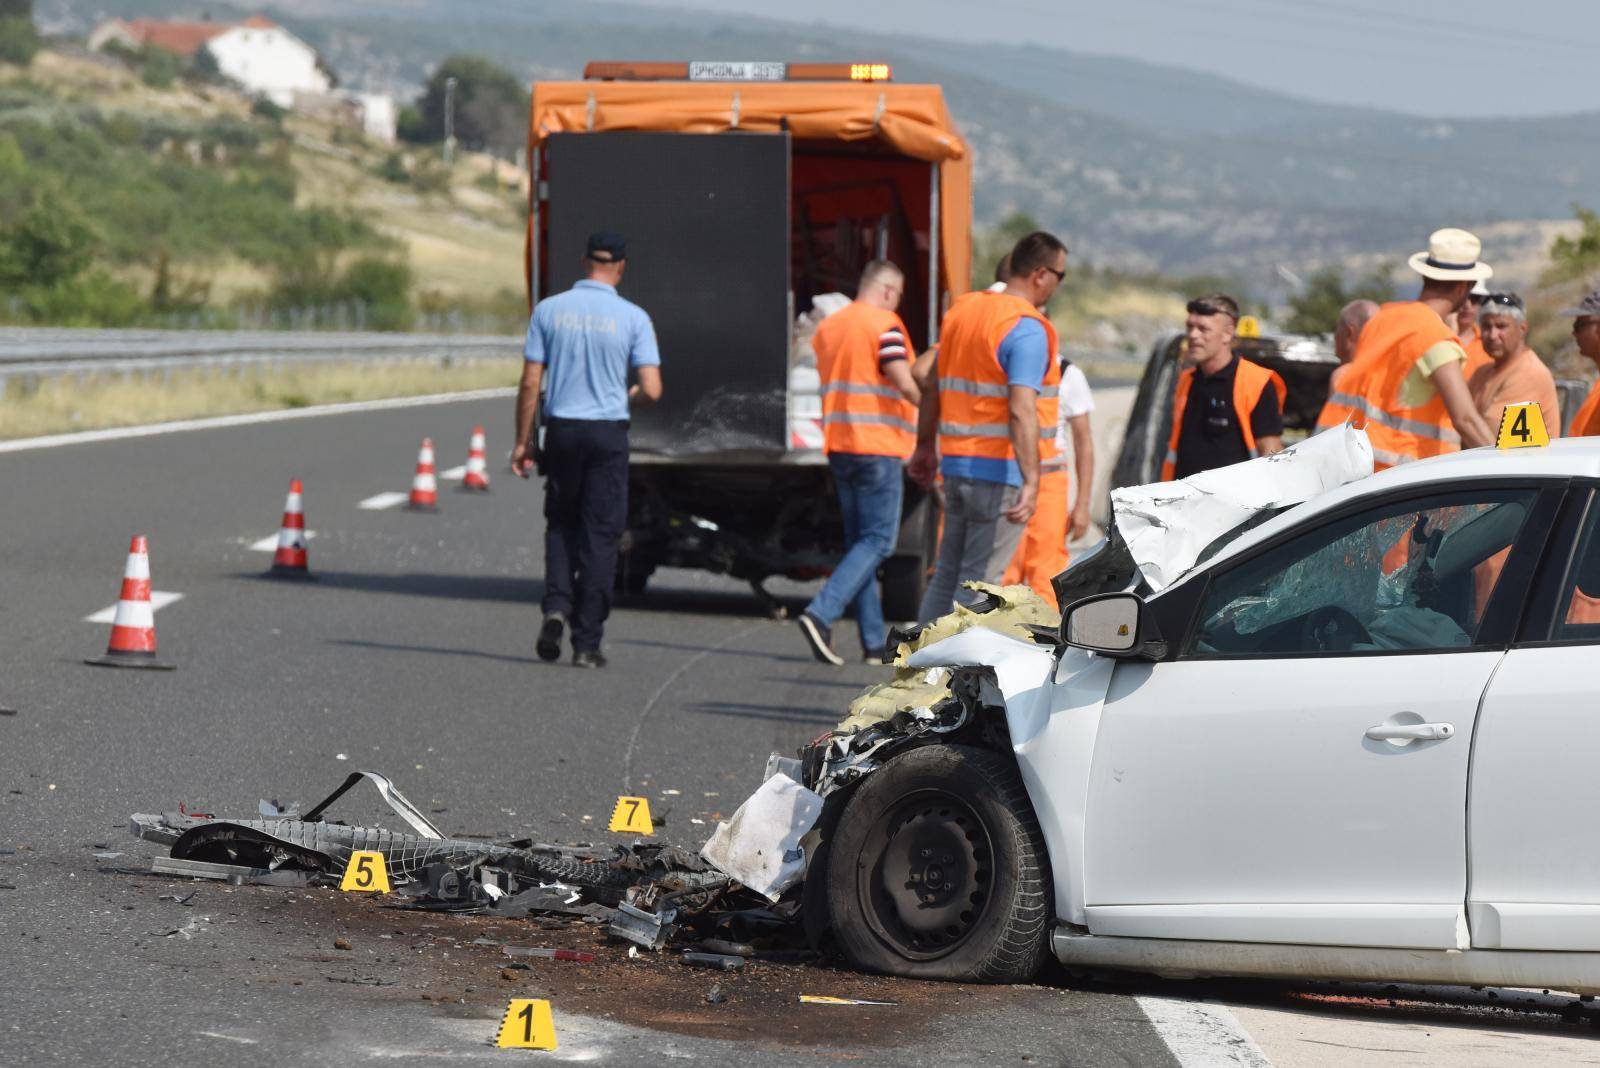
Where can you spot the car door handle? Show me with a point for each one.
(1411, 732)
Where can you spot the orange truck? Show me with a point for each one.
(751, 195)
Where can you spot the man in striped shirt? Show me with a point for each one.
(869, 416)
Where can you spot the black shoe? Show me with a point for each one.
(549, 644)
(587, 658)
(820, 638)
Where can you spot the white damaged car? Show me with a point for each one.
(1354, 737)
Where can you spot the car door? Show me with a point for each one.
(1534, 797)
(1297, 772)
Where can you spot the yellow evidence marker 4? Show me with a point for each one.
(632, 816)
(366, 873)
(528, 1025)
(1522, 426)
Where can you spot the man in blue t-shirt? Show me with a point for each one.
(581, 346)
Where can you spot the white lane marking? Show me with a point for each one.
(379, 501)
(228, 1038)
(159, 599)
(455, 474)
(269, 544)
(85, 437)
(1202, 1034)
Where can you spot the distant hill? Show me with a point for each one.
(1140, 165)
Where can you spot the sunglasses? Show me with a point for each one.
(1205, 307)
(1061, 276)
(1505, 300)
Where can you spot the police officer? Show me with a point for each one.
(580, 347)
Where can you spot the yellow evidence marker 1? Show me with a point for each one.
(366, 873)
(632, 816)
(1249, 326)
(1522, 426)
(528, 1025)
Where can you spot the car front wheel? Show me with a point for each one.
(937, 870)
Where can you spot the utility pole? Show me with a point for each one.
(449, 120)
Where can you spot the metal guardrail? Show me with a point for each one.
(44, 352)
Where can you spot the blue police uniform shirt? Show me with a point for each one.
(1024, 356)
(587, 338)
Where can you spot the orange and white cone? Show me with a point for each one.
(477, 476)
(133, 629)
(290, 561)
(424, 485)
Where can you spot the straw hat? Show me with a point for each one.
(1452, 256)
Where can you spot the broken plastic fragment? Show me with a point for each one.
(760, 845)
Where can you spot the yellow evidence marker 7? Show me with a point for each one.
(632, 816)
(1522, 426)
(366, 873)
(528, 1025)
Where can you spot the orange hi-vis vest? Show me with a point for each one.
(1391, 343)
(1587, 422)
(861, 411)
(1250, 381)
(974, 394)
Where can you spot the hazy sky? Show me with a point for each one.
(1438, 57)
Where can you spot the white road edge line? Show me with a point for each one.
(269, 544)
(1202, 1034)
(215, 422)
(159, 599)
(379, 501)
(454, 474)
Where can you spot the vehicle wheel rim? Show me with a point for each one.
(933, 880)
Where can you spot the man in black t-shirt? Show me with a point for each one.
(1216, 399)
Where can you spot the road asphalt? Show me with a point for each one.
(412, 654)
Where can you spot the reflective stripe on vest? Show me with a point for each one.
(1250, 381)
(974, 394)
(1390, 345)
(861, 411)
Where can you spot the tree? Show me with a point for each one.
(51, 243)
(19, 39)
(1315, 309)
(1574, 258)
(491, 106)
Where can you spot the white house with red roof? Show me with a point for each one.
(263, 57)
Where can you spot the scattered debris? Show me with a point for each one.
(4, 711)
(823, 999)
(722, 962)
(579, 955)
(715, 996)
(187, 930)
(732, 949)
(184, 900)
(370, 980)
(341, 943)
(237, 874)
(760, 846)
(275, 810)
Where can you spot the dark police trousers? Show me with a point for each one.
(585, 511)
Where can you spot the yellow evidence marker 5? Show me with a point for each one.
(366, 873)
(528, 1025)
(1522, 426)
(632, 816)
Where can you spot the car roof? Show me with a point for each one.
(1561, 459)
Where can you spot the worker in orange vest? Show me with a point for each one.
(1514, 374)
(1224, 411)
(868, 429)
(1586, 332)
(1406, 381)
(993, 395)
(1346, 331)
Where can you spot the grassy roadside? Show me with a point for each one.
(29, 408)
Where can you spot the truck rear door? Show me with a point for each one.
(706, 217)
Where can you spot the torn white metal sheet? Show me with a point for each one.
(760, 845)
(1167, 525)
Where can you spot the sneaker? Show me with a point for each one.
(819, 637)
(549, 644)
(588, 658)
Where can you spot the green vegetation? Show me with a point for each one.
(91, 201)
(19, 40)
(1574, 259)
(491, 107)
(1315, 308)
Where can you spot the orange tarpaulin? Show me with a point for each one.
(910, 119)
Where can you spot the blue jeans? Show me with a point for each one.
(870, 490)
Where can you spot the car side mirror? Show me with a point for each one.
(1109, 623)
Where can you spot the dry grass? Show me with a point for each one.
(57, 405)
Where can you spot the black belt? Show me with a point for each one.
(556, 420)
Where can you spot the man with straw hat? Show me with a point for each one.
(1406, 382)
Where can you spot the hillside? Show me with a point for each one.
(1144, 167)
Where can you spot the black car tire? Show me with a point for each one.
(937, 870)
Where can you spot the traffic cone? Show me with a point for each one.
(424, 487)
(133, 630)
(290, 559)
(477, 476)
